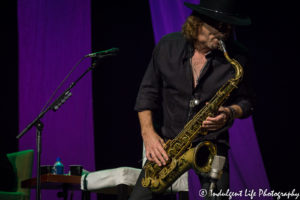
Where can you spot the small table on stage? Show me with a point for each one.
(51, 181)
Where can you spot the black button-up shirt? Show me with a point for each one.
(167, 86)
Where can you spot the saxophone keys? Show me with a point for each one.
(146, 181)
(204, 132)
(173, 164)
(166, 144)
(177, 146)
(171, 151)
(163, 174)
(155, 183)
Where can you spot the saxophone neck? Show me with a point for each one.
(237, 66)
(222, 47)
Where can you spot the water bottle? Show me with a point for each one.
(58, 167)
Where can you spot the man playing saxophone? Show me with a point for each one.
(185, 72)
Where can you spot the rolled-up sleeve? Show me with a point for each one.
(246, 103)
(244, 95)
(149, 94)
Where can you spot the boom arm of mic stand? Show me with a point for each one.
(64, 96)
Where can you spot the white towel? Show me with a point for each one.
(123, 175)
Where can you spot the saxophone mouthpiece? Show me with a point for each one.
(222, 46)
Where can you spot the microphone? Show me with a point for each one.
(109, 52)
(216, 172)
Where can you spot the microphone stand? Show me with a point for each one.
(39, 125)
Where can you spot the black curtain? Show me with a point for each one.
(125, 25)
(9, 77)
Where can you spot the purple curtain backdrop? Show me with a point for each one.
(246, 165)
(53, 36)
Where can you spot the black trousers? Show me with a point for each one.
(141, 193)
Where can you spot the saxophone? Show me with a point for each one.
(182, 156)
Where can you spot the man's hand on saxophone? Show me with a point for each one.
(224, 114)
(154, 148)
(154, 144)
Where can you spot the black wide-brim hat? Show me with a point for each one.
(221, 10)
